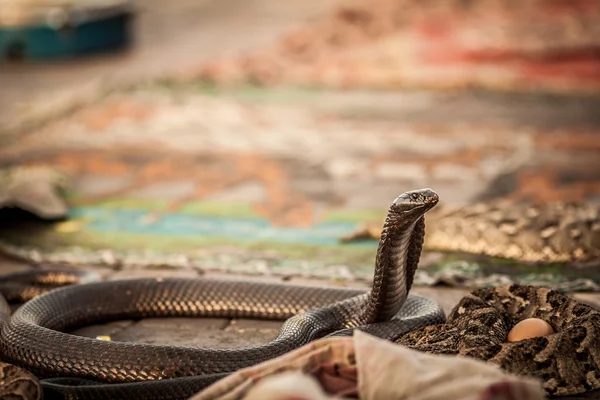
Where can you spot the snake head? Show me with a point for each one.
(418, 201)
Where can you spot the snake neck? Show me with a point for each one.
(396, 263)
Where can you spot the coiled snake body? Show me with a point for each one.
(32, 338)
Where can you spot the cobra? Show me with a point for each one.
(80, 367)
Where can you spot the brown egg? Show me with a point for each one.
(529, 328)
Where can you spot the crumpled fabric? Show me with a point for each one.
(370, 368)
(330, 361)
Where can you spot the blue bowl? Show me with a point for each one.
(75, 32)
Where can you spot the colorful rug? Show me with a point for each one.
(178, 177)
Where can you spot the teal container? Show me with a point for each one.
(94, 32)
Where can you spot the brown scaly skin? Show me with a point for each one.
(567, 362)
(551, 233)
(18, 384)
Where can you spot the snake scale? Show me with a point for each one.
(32, 338)
(567, 362)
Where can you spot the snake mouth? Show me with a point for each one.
(416, 200)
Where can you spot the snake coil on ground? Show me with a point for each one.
(78, 367)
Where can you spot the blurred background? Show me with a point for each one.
(249, 136)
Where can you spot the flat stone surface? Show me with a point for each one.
(110, 329)
(201, 332)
